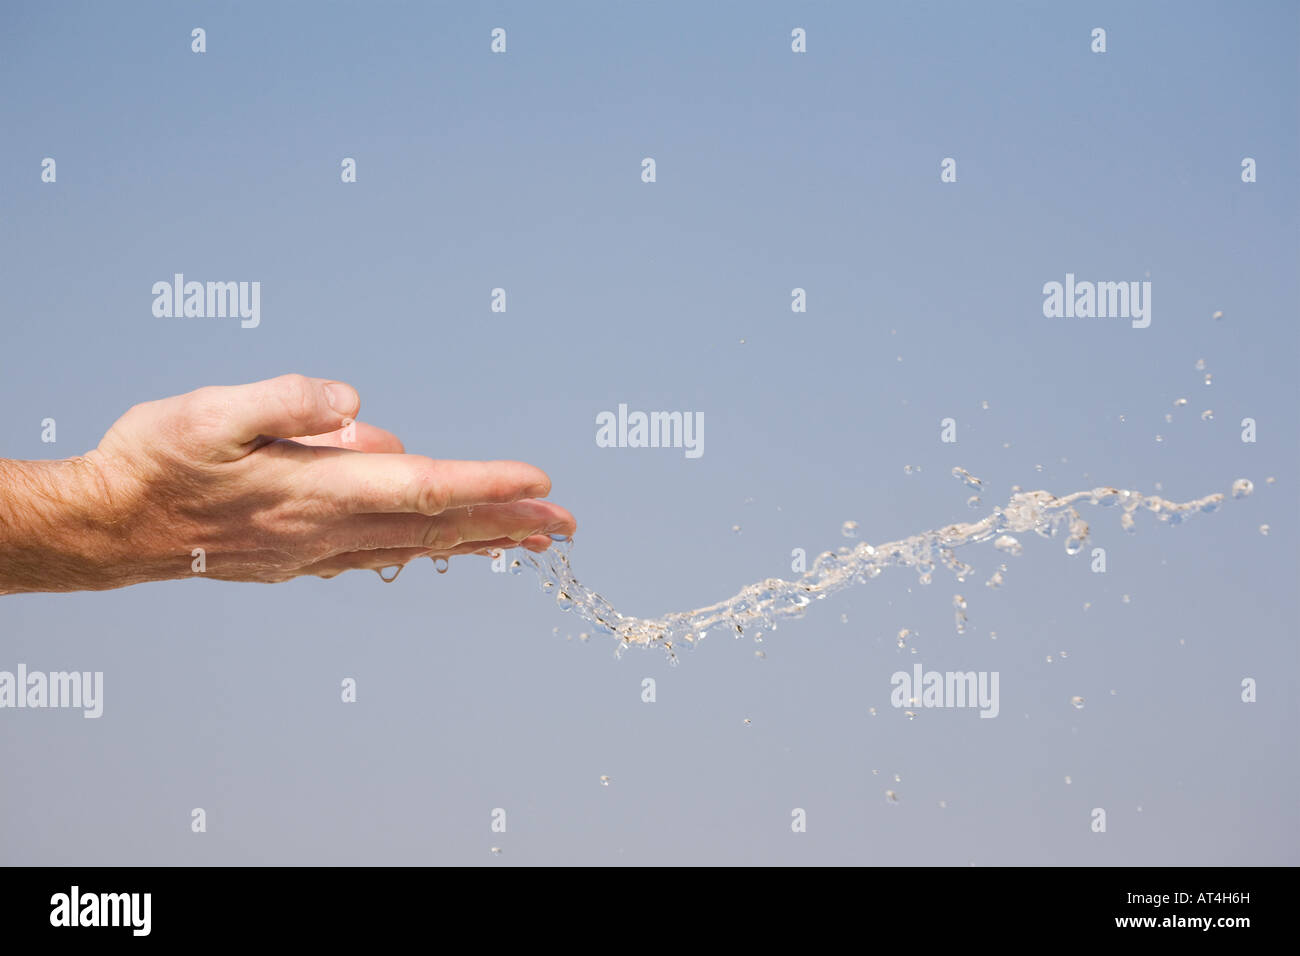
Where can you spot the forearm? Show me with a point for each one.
(56, 532)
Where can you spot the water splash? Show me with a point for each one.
(758, 607)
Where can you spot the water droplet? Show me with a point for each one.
(735, 529)
(1263, 529)
(910, 714)
(1076, 703)
(1200, 365)
(1126, 599)
(1269, 480)
(1168, 418)
(516, 566)
(1008, 544)
(1160, 438)
(966, 478)
(747, 721)
(1217, 315)
(898, 778)
(1207, 415)
(1038, 467)
(891, 797)
(849, 529)
(1179, 402)
(995, 581)
(742, 341)
(844, 619)
(441, 568)
(985, 404)
(496, 851)
(1068, 780)
(959, 602)
(1049, 658)
(973, 502)
(1064, 655)
(1242, 487)
(761, 655)
(1209, 379)
(604, 780)
(872, 712)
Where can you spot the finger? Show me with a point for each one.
(511, 522)
(536, 543)
(383, 483)
(357, 437)
(381, 558)
(276, 408)
(375, 560)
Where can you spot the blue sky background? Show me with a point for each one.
(775, 170)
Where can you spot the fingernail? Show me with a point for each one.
(342, 398)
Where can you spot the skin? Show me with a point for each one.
(217, 469)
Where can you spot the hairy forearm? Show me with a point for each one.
(56, 530)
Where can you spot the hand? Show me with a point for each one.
(215, 469)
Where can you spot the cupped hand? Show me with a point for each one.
(218, 469)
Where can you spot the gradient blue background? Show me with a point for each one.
(775, 170)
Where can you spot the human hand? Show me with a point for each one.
(216, 469)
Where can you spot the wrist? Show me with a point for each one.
(58, 528)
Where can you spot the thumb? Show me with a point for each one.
(284, 407)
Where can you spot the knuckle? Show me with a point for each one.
(440, 536)
(433, 496)
(297, 396)
(203, 411)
